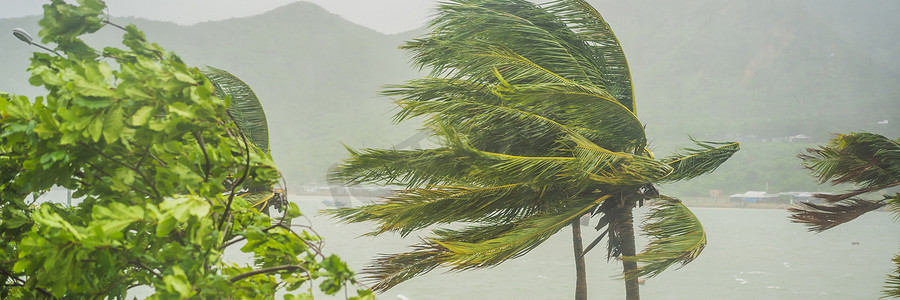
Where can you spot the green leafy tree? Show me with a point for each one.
(534, 116)
(869, 161)
(165, 172)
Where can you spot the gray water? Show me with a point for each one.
(752, 254)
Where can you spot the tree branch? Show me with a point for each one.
(265, 270)
(243, 177)
(199, 138)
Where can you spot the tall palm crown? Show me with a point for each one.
(533, 110)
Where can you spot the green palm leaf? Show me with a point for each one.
(590, 27)
(692, 162)
(867, 159)
(414, 209)
(676, 237)
(821, 217)
(526, 234)
(519, 26)
(892, 285)
(474, 246)
(245, 107)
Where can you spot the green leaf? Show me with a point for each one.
(140, 117)
(165, 226)
(112, 125)
(185, 78)
(183, 207)
(93, 89)
(293, 210)
(95, 129)
(17, 220)
(178, 282)
(181, 109)
(92, 102)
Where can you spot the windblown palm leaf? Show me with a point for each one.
(692, 162)
(872, 162)
(869, 160)
(677, 238)
(248, 114)
(534, 114)
(245, 107)
(892, 287)
(821, 217)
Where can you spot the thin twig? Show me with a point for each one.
(232, 242)
(315, 248)
(145, 267)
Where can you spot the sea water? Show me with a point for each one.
(751, 254)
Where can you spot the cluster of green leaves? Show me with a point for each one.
(160, 164)
(534, 113)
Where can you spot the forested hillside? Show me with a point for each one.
(753, 71)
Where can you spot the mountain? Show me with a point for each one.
(317, 76)
(754, 71)
(764, 69)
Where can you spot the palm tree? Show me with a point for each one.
(871, 162)
(534, 116)
(247, 112)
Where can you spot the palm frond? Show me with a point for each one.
(259, 199)
(389, 270)
(821, 217)
(524, 235)
(245, 107)
(892, 284)
(520, 26)
(611, 124)
(688, 163)
(619, 169)
(401, 167)
(414, 209)
(472, 247)
(590, 27)
(867, 159)
(676, 237)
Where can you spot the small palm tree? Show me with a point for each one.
(534, 116)
(870, 161)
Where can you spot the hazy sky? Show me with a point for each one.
(388, 16)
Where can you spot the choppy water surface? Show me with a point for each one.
(752, 254)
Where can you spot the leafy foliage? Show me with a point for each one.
(872, 162)
(534, 116)
(161, 167)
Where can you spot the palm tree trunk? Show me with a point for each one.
(626, 233)
(580, 274)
